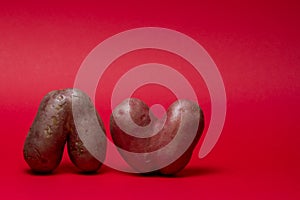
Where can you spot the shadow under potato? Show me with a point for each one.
(193, 171)
(198, 171)
(66, 168)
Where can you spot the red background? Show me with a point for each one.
(254, 44)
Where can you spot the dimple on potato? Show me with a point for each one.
(54, 125)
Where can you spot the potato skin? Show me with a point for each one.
(189, 114)
(78, 153)
(182, 112)
(139, 113)
(53, 126)
(47, 136)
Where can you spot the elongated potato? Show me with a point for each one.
(54, 125)
(46, 139)
(87, 149)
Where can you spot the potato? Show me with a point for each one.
(54, 125)
(191, 119)
(47, 136)
(87, 122)
(171, 141)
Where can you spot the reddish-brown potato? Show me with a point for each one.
(54, 125)
(170, 149)
(89, 149)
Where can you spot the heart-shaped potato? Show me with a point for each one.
(149, 144)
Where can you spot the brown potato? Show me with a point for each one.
(87, 122)
(170, 142)
(54, 125)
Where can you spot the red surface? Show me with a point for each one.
(256, 47)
